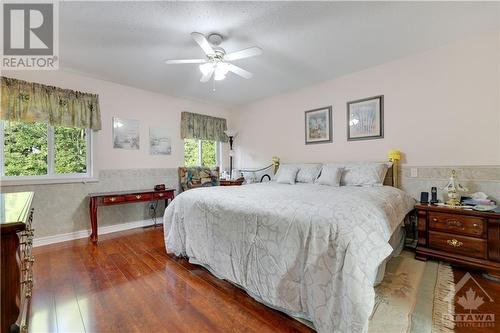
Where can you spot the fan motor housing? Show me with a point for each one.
(215, 39)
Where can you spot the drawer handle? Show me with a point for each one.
(30, 232)
(138, 196)
(475, 225)
(454, 223)
(434, 220)
(454, 243)
(112, 199)
(29, 259)
(28, 242)
(28, 281)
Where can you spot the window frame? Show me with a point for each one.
(218, 154)
(51, 177)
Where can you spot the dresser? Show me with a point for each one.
(17, 260)
(465, 237)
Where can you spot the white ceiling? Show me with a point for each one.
(303, 42)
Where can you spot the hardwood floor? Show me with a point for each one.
(127, 283)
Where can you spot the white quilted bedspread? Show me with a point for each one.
(309, 250)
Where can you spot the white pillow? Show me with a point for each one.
(364, 174)
(330, 175)
(287, 174)
(277, 174)
(308, 173)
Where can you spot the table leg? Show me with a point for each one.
(93, 219)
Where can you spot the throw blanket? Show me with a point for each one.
(309, 250)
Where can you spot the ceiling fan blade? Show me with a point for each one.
(206, 77)
(185, 61)
(203, 42)
(246, 53)
(240, 71)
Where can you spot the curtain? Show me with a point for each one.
(202, 127)
(33, 102)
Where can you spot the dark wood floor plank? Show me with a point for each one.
(128, 283)
(45, 320)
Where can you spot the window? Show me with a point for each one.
(201, 153)
(41, 151)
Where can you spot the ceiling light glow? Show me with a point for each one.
(206, 68)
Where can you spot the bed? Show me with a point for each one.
(311, 251)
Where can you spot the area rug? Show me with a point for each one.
(414, 297)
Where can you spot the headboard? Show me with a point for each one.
(391, 177)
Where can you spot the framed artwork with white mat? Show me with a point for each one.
(365, 119)
(318, 125)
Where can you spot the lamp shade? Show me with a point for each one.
(394, 155)
(206, 68)
(231, 132)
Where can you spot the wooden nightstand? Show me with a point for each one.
(460, 236)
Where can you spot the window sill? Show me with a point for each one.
(46, 181)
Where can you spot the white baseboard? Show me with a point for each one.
(40, 241)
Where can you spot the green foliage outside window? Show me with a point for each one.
(208, 155)
(26, 149)
(70, 150)
(190, 152)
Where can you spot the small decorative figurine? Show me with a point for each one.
(453, 188)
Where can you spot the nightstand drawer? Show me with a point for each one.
(467, 246)
(458, 224)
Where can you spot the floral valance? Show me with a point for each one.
(202, 127)
(34, 102)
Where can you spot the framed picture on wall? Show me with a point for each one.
(126, 133)
(318, 125)
(159, 141)
(365, 119)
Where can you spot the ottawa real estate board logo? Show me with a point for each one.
(30, 35)
(471, 300)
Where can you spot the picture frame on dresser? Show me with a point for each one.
(365, 118)
(318, 125)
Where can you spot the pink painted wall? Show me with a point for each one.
(151, 109)
(442, 107)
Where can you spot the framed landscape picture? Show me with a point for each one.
(365, 119)
(125, 133)
(318, 125)
(159, 141)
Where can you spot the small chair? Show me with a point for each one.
(193, 177)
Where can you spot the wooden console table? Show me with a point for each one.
(122, 197)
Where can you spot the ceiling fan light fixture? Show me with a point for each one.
(219, 76)
(206, 68)
(217, 63)
(221, 69)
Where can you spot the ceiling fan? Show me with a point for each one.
(217, 61)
